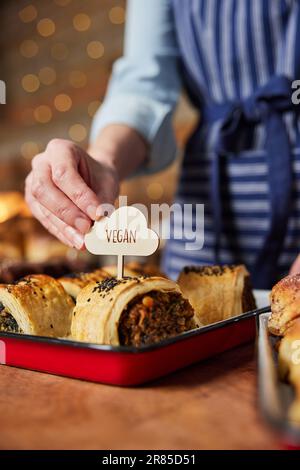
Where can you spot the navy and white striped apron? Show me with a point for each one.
(239, 58)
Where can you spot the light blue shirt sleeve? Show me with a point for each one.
(145, 83)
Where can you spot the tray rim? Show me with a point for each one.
(131, 349)
(278, 423)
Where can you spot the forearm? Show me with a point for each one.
(120, 147)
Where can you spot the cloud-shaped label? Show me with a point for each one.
(125, 232)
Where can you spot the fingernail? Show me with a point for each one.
(99, 213)
(92, 212)
(82, 225)
(104, 210)
(76, 237)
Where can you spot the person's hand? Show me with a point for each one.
(295, 269)
(67, 188)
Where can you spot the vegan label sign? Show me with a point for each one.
(124, 233)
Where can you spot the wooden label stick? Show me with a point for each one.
(120, 270)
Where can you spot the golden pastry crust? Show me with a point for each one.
(217, 292)
(285, 304)
(289, 365)
(285, 322)
(294, 413)
(289, 353)
(128, 271)
(39, 305)
(77, 281)
(99, 306)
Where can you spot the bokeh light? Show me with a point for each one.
(29, 149)
(82, 22)
(28, 14)
(62, 102)
(47, 75)
(46, 27)
(78, 132)
(95, 49)
(77, 79)
(29, 48)
(43, 114)
(30, 83)
(59, 51)
(93, 107)
(155, 191)
(117, 15)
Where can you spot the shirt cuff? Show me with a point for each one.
(152, 119)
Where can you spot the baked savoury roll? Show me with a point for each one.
(285, 304)
(217, 292)
(36, 305)
(131, 312)
(73, 283)
(289, 365)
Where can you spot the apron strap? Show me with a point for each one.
(265, 106)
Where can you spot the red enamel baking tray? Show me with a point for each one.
(275, 396)
(125, 366)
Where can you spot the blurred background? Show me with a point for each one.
(56, 59)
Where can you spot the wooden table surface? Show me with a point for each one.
(210, 405)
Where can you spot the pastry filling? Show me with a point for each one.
(153, 317)
(7, 321)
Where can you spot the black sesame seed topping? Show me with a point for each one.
(105, 286)
(209, 270)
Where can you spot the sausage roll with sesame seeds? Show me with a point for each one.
(284, 322)
(131, 312)
(73, 283)
(289, 365)
(36, 305)
(217, 292)
(285, 304)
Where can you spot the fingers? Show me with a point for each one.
(66, 160)
(108, 190)
(58, 228)
(59, 193)
(49, 196)
(295, 269)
